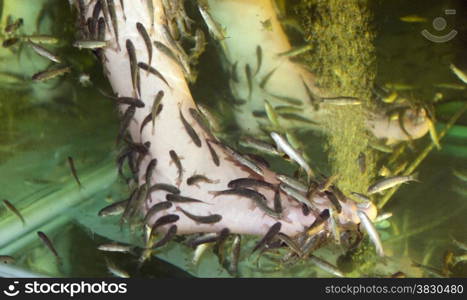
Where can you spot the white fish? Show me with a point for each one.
(283, 145)
(390, 182)
(292, 182)
(297, 195)
(461, 75)
(198, 253)
(371, 230)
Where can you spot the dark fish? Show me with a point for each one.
(133, 66)
(123, 8)
(266, 78)
(164, 187)
(189, 129)
(218, 249)
(259, 58)
(214, 156)
(92, 26)
(101, 29)
(130, 101)
(314, 100)
(156, 108)
(203, 239)
(158, 207)
(113, 17)
(272, 232)
(257, 198)
(97, 10)
(126, 119)
(10, 28)
(73, 170)
(146, 120)
(50, 74)
(150, 170)
(181, 199)
(49, 245)
(147, 40)
(210, 219)
(153, 71)
(234, 72)
(315, 227)
(106, 12)
(13, 209)
(249, 80)
(167, 219)
(200, 120)
(136, 202)
(193, 180)
(130, 203)
(82, 12)
(278, 203)
(113, 209)
(171, 233)
(334, 201)
(176, 160)
(288, 100)
(290, 243)
(249, 182)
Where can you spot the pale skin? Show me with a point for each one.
(239, 214)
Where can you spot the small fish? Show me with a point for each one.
(266, 78)
(297, 118)
(50, 74)
(116, 270)
(106, 12)
(73, 170)
(181, 199)
(113, 17)
(433, 134)
(297, 196)
(162, 221)
(213, 26)
(259, 58)
(195, 114)
(271, 114)
(332, 197)
(90, 44)
(115, 247)
(213, 153)
(45, 53)
(390, 182)
(249, 80)
(257, 144)
(150, 9)
(282, 144)
(290, 243)
(158, 207)
(325, 266)
(156, 108)
(164, 187)
(200, 45)
(277, 202)
(341, 101)
(96, 11)
(380, 147)
(399, 86)
(150, 170)
(249, 182)
(10, 42)
(203, 239)
(126, 119)
(45, 239)
(371, 230)
(6, 259)
(236, 248)
(189, 129)
(294, 183)
(12, 27)
(123, 8)
(268, 237)
(317, 225)
(42, 39)
(258, 198)
(233, 72)
(133, 66)
(333, 226)
(288, 100)
(153, 71)
(210, 219)
(101, 29)
(296, 51)
(193, 180)
(176, 160)
(451, 86)
(170, 234)
(242, 160)
(130, 101)
(14, 210)
(147, 40)
(360, 197)
(136, 202)
(145, 121)
(113, 209)
(176, 58)
(413, 19)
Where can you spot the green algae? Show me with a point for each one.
(343, 58)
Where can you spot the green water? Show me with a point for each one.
(43, 124)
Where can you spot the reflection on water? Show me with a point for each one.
(45, 123)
